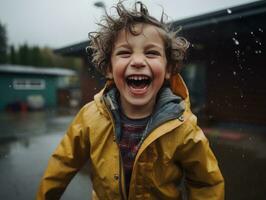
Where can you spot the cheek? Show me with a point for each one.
(117, 68)
(118, 75)
(159, 69)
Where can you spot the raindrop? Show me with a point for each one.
(10, 86)
(260, 30)
(251, 33)
(234, 73)
(258, 52)
(236, 41)
(95, 88)
(235, 33)
(229, 11)
(243, 155)
(241, 95)
(237, 52)
(212, 62)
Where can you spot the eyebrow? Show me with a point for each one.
(123, 45)
(152, 45)
(149, 46)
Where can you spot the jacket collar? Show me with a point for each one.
(168, 107)
(177, 85)
(171, 104)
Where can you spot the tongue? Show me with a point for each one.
(139, 85)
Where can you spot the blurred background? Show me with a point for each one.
(46, 75)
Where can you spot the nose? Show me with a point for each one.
(138, 61)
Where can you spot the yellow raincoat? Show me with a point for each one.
(173, 150)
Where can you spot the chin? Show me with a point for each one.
(139, 102)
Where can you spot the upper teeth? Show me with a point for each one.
(138, 77)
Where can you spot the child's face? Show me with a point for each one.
(139, 68)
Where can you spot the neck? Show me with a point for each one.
(137, 112)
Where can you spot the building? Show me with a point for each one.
(225, 69)
(25, 87)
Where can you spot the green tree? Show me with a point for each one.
(36, 57)
(41, 57)
(3, 44)
(13, 55)
(24, 55)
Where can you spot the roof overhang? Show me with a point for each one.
(229, 14)
(19, 69)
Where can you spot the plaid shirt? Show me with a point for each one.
(132, 132)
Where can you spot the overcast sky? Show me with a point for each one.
(58, 23)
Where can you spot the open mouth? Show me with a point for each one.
(138, 81)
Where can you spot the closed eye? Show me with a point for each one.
(152, 53)
(123, 54)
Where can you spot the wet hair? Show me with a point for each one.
(102, 41)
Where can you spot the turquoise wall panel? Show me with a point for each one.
(10, 95)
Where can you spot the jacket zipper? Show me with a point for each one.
(122, 193)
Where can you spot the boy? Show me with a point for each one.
(138, 135)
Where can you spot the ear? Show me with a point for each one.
(168, 72)
(167, 75)
(109, 74)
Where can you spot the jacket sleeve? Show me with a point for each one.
(67, 159)
(203, 179)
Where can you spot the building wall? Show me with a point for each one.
(91, 81)
(234, 56)
(10, 95)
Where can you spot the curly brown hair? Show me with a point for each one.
(110, 26)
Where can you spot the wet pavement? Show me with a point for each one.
(26, 143)
(241, 152)
(28, 139)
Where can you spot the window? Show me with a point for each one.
(29, 84)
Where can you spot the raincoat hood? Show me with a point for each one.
(177, 86)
